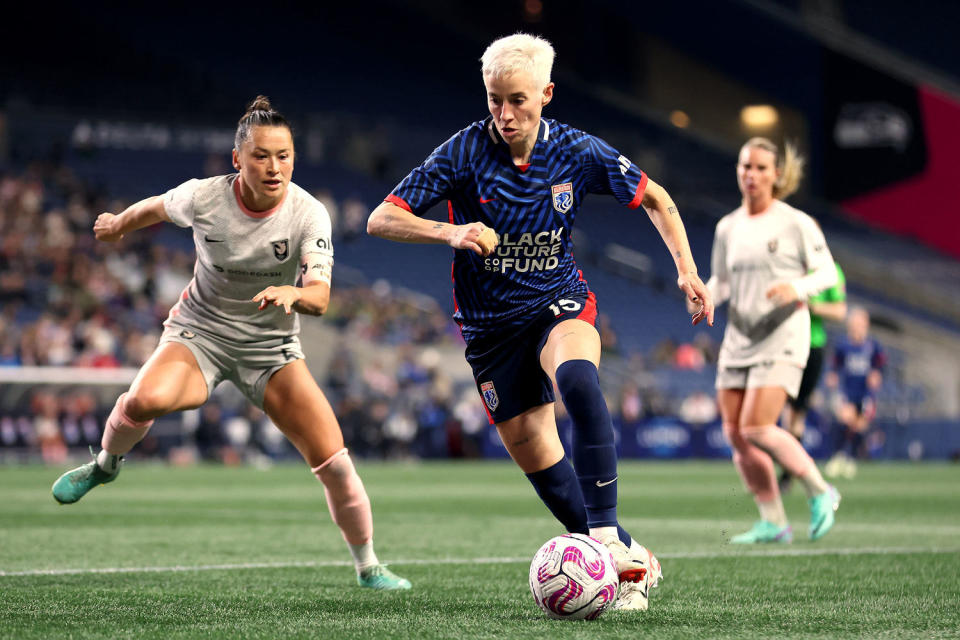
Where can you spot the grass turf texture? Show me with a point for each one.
(179, 544)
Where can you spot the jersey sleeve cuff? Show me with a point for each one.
(638, 196)
(400, 202)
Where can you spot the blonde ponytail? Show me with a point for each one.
(790, 166)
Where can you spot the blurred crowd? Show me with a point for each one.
(68, 300)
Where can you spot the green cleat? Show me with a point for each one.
(75, 484)
(822, 508)
(764, 531)
(380, 578)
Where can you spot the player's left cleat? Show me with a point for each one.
(822, 509)
(75, 484)
(763, 531)
(382, 579)
(639, 571)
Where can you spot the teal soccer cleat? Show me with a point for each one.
(764, 531)
(822, 508)
(380, 578)
(75, 484)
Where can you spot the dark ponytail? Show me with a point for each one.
(259, 113)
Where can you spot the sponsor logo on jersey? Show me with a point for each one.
(772, 246)
(562, 196)
(323, 243)
(624, 163)
(281, 249)
(189, 335)
(527, 252)
(209, 239)
(489, 393)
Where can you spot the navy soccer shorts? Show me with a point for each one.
(506, 366)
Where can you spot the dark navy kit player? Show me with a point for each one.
(857, 374)
(514, 183)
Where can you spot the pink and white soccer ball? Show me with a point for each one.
(573, 577)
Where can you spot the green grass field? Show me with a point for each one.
(213, 552)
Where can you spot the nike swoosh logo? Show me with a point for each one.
(603, 484)
(209, 239)
(482, 201)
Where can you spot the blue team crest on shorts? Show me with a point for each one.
(562, 196)
(489, 393)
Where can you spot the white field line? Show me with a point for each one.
(683, 555)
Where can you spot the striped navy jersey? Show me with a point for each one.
(531, 208)
(853, 362)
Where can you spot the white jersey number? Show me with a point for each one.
(565, 306)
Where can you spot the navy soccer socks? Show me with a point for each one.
(559, 490)
(594, 449)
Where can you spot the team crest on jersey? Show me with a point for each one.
(489, 393)
(562, 196)
(772, 246)
(281, 249)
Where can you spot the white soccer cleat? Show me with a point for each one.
(639, 572)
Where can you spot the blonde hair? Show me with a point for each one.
(519, 52)
(790, 165)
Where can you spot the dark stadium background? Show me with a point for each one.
(103, 103)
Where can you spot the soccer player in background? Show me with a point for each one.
(768, 259)
(830, 304)
(514, 183)
(255, 232)
(857, 373)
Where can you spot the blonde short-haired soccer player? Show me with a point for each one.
(768, 259)
(255, 232)
(514, 183)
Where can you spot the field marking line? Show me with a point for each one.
(683, 555)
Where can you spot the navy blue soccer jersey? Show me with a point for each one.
(531, 208)
(853, 363)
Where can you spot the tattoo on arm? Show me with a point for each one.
(521, 441)
(672, 210)
(439, 225)
(678, 254)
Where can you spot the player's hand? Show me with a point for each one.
(475, 236)
(874, 380)
(104, 228)
(782, 293)
(699, 300)
(285, 296)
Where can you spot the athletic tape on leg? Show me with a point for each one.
(346, 498)
(121, 432)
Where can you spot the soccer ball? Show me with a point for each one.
(573, 577)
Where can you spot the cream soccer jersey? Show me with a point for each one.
(752, 253)
(240, 253)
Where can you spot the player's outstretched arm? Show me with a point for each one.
(391, 222)
(111, 228)
(663, 212)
